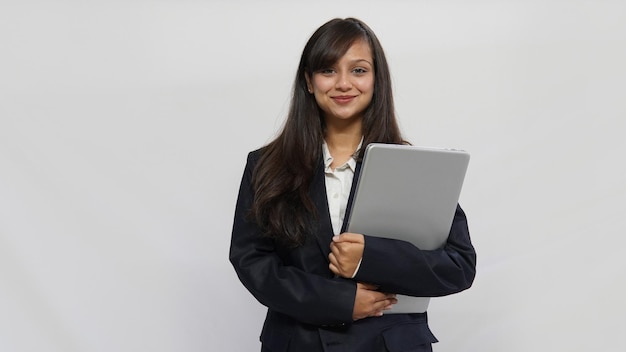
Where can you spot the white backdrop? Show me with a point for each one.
(124, 128)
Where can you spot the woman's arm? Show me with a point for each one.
(307, 297)
(400, 267)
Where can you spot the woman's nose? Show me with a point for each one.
(343, 82)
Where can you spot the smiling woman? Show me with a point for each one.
(325, 288)
(124, 127)
(345, 90)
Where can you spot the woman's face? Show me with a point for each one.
(344, 90)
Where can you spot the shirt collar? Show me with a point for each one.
(328, 159)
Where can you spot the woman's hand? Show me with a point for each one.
(371, 303)
(346, 251)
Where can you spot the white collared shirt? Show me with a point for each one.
(338, 185)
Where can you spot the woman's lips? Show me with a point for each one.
(343, 99)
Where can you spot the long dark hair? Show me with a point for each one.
(282, 205)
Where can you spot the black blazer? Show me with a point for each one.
(309, 309)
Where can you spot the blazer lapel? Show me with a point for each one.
(318, 195)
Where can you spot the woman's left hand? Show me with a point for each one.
(346, 251)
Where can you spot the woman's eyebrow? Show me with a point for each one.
(360, 60)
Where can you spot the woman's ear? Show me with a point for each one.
(309, 86)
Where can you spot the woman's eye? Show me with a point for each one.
(359, 70)
(327, 71)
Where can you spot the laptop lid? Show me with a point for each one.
(408, 193)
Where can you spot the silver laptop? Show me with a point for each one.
(408, 193)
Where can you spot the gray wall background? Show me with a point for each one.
(124, 128)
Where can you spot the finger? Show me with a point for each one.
(381, 309)
(349, 237)
(383, 305)
(383, 297)
(336, 249)
(333, 259)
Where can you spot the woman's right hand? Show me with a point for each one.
(371, 303)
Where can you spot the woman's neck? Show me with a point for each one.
(342, 143)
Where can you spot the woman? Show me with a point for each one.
(326, 290)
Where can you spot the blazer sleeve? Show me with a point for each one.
(400, 267)
(307, 297)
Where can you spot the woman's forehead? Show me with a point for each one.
(357, 49)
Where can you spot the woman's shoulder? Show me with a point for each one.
(255, 155)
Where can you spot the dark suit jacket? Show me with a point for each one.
(309, 309)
